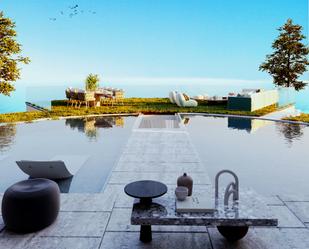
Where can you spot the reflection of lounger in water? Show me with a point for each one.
(59, 167)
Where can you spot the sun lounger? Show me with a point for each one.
(59, 167)
(172, 97)
(181, 101)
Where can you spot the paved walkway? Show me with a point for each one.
(103, 220)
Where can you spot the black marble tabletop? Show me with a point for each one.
(145, 189)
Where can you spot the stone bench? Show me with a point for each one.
(232, 222)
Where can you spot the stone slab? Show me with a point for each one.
(123, 240)
(160, 149)
(15, 242)
(49, 242)
(264, 238)
(122, 200)
(168, 137)
(120, 221)
(1, 224)
(294, 197)
(160, 167)
(159, 158)
(87, 202)
(300, 209)
(55, 243)
(167, 178)
(273, 201)
(250, 210)
(1, 195)
(88, 224)
(285, 217)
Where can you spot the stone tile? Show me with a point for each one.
(273, 201)
(63, 243)
(120, 221)
(15, 242)
(123, 240)
(50, 243)
(122, 200)
(300, 209)
(90, 224)
(167, 178)
(264, 238)
(1, 195)
(295, 197)
(1, 224)
(160, 149)
(87, 202)
(159, 158)
(285, 217)
(160, 167)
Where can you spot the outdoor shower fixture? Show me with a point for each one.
(231, 189)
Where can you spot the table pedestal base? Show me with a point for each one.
(145, 233)
(233, 233)
(145, 201)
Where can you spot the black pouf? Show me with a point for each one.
(30, 205)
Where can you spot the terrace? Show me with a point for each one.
(155, 150)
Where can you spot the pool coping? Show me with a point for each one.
(71, 117)
(178, 114)
(242, 116)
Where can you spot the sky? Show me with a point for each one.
(149, 40)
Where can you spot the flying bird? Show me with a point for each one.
(74, 7)
(53, 19)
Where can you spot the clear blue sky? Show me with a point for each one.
(149, 38)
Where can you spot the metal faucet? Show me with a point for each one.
(231, 189)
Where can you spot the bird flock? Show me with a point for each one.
(72, 11)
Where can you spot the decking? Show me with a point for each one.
(103, 220)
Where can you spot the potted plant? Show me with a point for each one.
(92, 82)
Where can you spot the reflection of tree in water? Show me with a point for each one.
(90, 126)
(291, 132)
(7, 136)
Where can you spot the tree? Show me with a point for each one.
(289, 60)
(10, 56)
(92, 82)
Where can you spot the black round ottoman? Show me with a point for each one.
(30, 205)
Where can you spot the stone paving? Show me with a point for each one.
(102, 220)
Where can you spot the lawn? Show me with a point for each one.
(131, 105)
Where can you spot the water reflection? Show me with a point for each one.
(291, 132)
(90, 125)
(246, 124)
(249, 125)
(7, 136)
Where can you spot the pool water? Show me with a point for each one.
(270, 157)
(100, 139)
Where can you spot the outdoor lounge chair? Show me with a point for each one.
(172, 97)
(59, 167)
(181, 101)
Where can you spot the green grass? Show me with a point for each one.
(301, 118)
(131, 105)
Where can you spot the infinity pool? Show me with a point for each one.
(100, 140)
(270, 157)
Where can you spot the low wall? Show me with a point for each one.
(255, 102)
